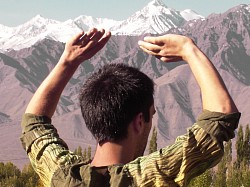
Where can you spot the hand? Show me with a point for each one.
(83, 46)
(168, 48)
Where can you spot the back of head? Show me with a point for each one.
(112, 97)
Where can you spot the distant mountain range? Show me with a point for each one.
(225, 38)
(154, 18)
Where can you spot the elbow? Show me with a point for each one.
(228, 107)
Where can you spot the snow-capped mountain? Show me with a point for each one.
(90, 22)
(189, 14)
(39, 28)
(155, 18)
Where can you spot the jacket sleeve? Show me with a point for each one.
(191, 154)
(46, 150)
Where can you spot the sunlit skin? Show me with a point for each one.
(144, 139)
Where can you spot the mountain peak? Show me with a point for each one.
(156, 3)
(38, 17)
(40, 20)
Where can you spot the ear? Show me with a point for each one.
(138, 123)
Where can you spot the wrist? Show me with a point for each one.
(67, 63)
(189, 50)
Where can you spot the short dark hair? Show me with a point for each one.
(112, 97)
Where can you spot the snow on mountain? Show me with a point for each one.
(155, 18)
(35, 26)
(189, 14)
(248, 7)
(86, 22)
(5, 31)
(39, 28)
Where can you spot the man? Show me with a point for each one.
(117, 106)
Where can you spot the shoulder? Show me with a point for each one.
(70, 175)
(83, 174)
(219, 125)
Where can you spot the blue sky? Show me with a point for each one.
(16, 12)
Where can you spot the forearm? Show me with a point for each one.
(215, 96)
(46, 97)
(80, 48)
(171, 48)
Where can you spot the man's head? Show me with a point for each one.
(112, 97)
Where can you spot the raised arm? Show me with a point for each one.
(46, 150)
(202, 146)
(171, 48)
(80, 48)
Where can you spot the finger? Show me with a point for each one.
(169, 59)
(150, 47)
(95, 38)
(83, 37)
(91, 32)
(83, 40)
(102, 42)
(148, 51)
(76, 38)
(153, 40)
(98, 46)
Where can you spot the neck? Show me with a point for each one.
(111, 153)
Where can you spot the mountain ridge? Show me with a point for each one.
(38, 28)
